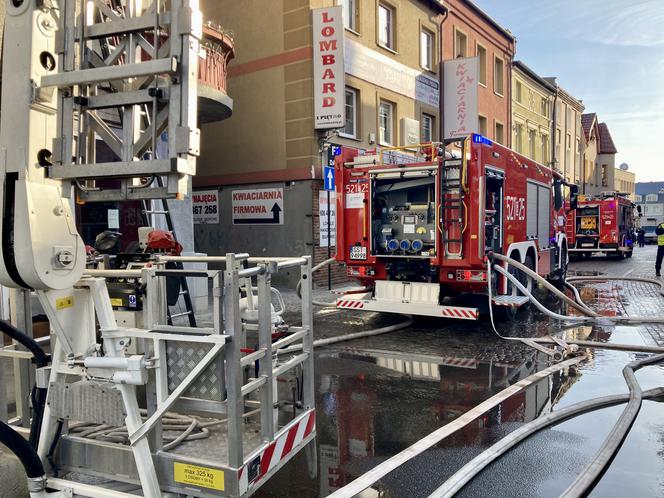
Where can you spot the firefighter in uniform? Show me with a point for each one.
(660, 248)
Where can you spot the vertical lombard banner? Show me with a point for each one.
(460, 97)
(329, 77)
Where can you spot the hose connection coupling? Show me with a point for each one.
(37, 484)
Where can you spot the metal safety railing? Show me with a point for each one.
(182, 366)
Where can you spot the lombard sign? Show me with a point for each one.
(460, 97)
(329, 86)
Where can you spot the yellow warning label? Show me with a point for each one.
(64, 302)
(116, 301)
(199, 476)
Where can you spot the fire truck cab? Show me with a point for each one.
(415, 225)
(603, 223)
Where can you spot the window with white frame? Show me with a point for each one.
(350, 14)
(386, 26)
(483, 125)
(352, 106)
(460, 44)
(498, 76)
(426, 49)
(531, 143)
(386, 123)
(481, 53)
(427, 128)
(637, 198)
(499, 134)
(545, 149)
(651, 198)
(518, 137)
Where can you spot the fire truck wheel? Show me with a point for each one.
(526, 281)
(561, 274)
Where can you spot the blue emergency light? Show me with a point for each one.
(479, 139)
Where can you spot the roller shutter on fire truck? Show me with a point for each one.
(538, 216)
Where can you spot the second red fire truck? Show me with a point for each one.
(604, 224)
(415, 225)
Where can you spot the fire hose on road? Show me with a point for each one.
(593, 471)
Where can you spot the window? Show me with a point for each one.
(386, 26)
(544, 108)
(352, 105)
(498, 76)
(519, 92)
(545, 149)
(481, 53)
(605, 175)
(427, 128)
(568, 141)
(637, 198)
(483, 125)
(460, 44)
(531, 143)
(500, 133)
(651, 198)
(518, 137)
(386, 123)
(350, 14)
(426, 49)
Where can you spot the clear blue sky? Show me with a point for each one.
(608, 53)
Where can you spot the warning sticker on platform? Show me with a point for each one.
(205, 206)
(354, 201)
(64, 302)
(258, 206)
(203, 477)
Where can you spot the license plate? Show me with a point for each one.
(588, 223)
(358, 252)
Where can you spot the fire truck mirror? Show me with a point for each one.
(573, 197)
(558, 195)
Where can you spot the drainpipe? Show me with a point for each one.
(554, 163)
(508, 127)
(441, 79)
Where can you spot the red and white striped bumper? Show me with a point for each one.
(270, 458)
(421, 309)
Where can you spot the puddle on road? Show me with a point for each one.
(377, 396)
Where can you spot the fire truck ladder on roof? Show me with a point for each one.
(126, 79)
(452, 209)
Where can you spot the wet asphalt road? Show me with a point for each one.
(377, 396)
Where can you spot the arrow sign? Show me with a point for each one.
(275, 220)
(258, 206)
(328, 177)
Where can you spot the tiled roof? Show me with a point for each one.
(645, 188)
(606, 145)
(587, 121)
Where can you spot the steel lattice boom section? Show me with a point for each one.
(127, 112)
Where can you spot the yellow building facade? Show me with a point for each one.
(532, 115)
(625, 181)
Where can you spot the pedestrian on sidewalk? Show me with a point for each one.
(660, 248)
(641, 237)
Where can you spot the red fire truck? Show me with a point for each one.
(603, 223)
(415, 225)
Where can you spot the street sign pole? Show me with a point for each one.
(329, 242)
(329, 185)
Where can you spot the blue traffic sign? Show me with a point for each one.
(328, 178)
